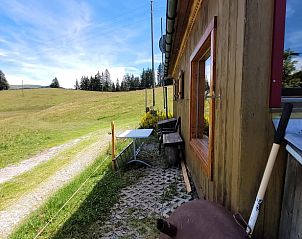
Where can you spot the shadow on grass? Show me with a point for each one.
(96, 207)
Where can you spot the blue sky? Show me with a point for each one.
(43, 39)
(293, 29)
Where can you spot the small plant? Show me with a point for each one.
(169, 192)
(150, 119)
(206, 125)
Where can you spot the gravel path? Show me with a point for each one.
(9, 172)
(13, 215)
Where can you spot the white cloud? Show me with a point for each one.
(289, 10)
(148, 59)
(299, 63)
(295, 39)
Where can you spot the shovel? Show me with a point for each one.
(278, 138)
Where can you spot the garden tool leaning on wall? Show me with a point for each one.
(205, 219)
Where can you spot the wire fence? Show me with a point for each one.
(122, 158)
(69, 199)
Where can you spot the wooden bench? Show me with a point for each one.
(173, 145)
(172, 139)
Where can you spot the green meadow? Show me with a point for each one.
(42, 118)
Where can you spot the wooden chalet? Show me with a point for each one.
(225, 57)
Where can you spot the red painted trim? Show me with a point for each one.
(277, 53)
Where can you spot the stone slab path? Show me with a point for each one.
(155, 195)
(12, 216)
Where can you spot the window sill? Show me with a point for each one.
(200, 148)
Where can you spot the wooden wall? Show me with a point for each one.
(243, 128)
(291, 220)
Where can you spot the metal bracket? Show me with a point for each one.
(213, 96)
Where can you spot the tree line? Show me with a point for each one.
(102, 82)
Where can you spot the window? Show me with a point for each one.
(286, 76)
(202, 98)
(176, 87)
(181, 85)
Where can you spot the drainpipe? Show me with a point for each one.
(171, 15)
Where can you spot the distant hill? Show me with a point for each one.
(18, 87)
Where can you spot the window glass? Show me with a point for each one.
(292, 64)
(207, 84)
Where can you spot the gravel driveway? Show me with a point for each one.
(13, 215)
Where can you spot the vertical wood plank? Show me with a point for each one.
(289, 195)
(296, 231)
(222, 68)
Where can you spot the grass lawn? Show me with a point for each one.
(43, 118)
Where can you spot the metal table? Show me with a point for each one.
(136, 134)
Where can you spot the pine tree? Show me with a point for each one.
(107, 81)
(122, 86)
(113, 87)
(136, 83)
(143, 79)
(54, 83)
(84, 84)
(98, 81)
(76, 86)
(160, 74)
(117, 88)
(3, 82)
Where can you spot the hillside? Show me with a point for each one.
(43, 118)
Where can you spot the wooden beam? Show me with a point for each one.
(185, 175)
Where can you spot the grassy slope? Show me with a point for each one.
(47, 117)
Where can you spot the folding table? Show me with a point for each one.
(136, 134)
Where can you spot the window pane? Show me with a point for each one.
(292, 66)
(206, 113)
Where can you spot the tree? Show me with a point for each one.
(136, 82)
(117, 87)
(76, 86)
(98, 81)
(143, 79)
(84, 84)
(113, 87)
(290, 77)
(107, 81)
(160, 73)
(3, 82)
(55, 83)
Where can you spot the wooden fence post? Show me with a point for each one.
(114, 165)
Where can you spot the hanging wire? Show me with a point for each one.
(64, 205)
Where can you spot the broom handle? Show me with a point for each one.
(279, 136)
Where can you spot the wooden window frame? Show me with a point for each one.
(203, 148)
(277, 93)
(277, 53)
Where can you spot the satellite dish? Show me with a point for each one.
(162, 43)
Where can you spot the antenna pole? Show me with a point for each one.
(162, 64)
(153, 79)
